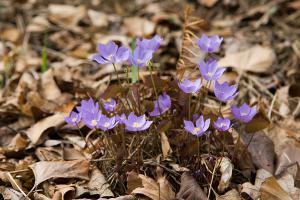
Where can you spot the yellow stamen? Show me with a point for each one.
(209, 74)
(243, 114)
(136, 125)
(196, 130)
(73, 119)
(106, 124)
(94, 122)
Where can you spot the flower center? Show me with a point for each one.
(139, 61)
(223, 124)
(196, 129)
(209, 74)
(106, 124)
(73, 119)
(94, 122)
(243, 113)
(109, 57)
(136, 125)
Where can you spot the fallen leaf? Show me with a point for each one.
(208, 3)
(50, 90)
(11, 34)
(189, 189)
(261, 149)
(99, 184)
(251, 190)
(137, 26)
(98, 19)
(66, 14)
(10, 194)
(45, 170)
(35, 132)
(38, 24)
(290, 155)
(140, 184)
(230, 195)
(271, 190)
(165, 145)
(226, 168)
(257, 59)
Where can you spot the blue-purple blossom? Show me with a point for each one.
(73, 119)
(140, 57)
(225, 92)
(161, 105)
(199, 129)
(109, 104)
(88, 106)
(136, 123)
(110, 53)
(150, 44)
(188, 86)
(209, 44)
(222, 124)
(105, 123)
(210, 70)
(121, 118)
(91, 120)
(244, 113)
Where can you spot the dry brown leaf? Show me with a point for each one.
(10, 194)
(230, 195)
(11, 34)
(165, 145)
(208, 3)
(126, 197)
(38, 24)
(45, 170)
(261, 149)
(137, 26)
(50, 90)
(66, 14)
(251, 190)
(287, 182)
(189, 189)
(38, 196)
(271, 190)
(35, 132)
(255, 59)
(98, 19)
(290, 155)
(226, 168)
(140, 184)
(98, 184)
(261, 176)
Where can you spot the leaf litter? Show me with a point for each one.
(42, 158)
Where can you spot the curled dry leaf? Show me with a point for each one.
(66, 14)
(45, 170)
(98, 184)
(165, 145)
(189, 189)
(255, 59)
(271, 190)
(230, 195)
(98, 19)
(140, 184)
(290, 155)
(226, 168)
(9, 193)
(137, 26)
(35, 131)
(50, 90)
(251, 190)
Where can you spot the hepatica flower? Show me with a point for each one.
(199, 129)
(188, 86)
(88, 106)
(110, 53)
(225, 92)
(91, 120)
(150, 44)
(136, 123)
(73, 119)
(140, 57)
(109, 104)
(222, 124)
(161, 105)
(210, 70)
(244, 113)
(105, 123)
(120, 118)
(209, 44)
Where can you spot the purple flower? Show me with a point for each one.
(121, 118)
(109, 104)
(209, 44)
(225, 92)
(88, 106)
(110, 53)
(199, 129)
(222, 124)
(91, 120)
(244, 113)
(73, 119)
(140, 57)
(210, 70)
(150, 44)
(105, 123)
(190, 86)
(137, 123)
(161, 105)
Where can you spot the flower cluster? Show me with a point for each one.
(211, 72)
